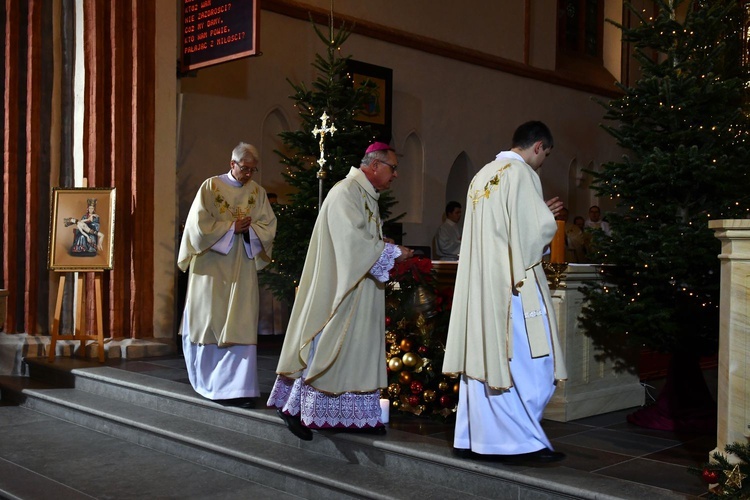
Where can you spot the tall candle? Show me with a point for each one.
(558, 244)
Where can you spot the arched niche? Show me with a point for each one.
(408, 188)
(459, 177)
(579, 191)
(270, 176)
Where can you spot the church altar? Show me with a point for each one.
(593, 387)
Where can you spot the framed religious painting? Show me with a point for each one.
(82, 229)
(377, 108)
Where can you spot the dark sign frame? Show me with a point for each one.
(377, 111)
(217, 31)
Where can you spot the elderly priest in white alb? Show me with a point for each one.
(228, 236)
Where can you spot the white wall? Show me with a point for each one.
(449, 106)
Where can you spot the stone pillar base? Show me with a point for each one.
(15, 347)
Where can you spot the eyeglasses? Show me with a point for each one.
(245, 169)
(393, 167)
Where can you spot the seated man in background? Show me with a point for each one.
(448, 237)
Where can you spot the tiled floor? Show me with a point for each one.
(603, 444)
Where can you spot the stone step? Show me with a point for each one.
(229, 439)
(45, 457)
(425, 460)
(254, 444)
(279, 466)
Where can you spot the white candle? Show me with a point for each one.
(385, 408)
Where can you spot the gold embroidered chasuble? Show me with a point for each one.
(222, 298)
(506, 229)
(338, 302)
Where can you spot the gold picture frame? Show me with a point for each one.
(82, 229)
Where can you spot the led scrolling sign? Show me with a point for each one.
(217, 31)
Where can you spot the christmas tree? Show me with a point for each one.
(685, 124)
(729, 480)
(326, 153)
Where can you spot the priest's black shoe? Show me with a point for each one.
(543, 456)
(378, 431)
(464, 453)
(294, 424)
(237, 402)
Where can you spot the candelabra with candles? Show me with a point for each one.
(555, 268)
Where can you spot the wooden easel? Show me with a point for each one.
(80, 300)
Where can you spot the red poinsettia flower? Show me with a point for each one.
(418, 267)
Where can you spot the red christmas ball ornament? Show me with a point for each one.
(388, 321)
(710, 476)
(413, 400)
(422, 350)
(446, 401)
(416, 387)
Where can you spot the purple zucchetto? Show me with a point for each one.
(378, 146)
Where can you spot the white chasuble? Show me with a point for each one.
(339, 304)
(222, 299)
(506, 229)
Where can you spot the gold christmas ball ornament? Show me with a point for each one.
(406, 345)
(456, 387)
(443, 385)
(404, 377)
(429, 395)
(395, 364)
(410, 359)
(394, 349)
(390, 337)
(394, 389)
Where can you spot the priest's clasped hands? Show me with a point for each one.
(242, 224)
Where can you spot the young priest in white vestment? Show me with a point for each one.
(502, 337)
